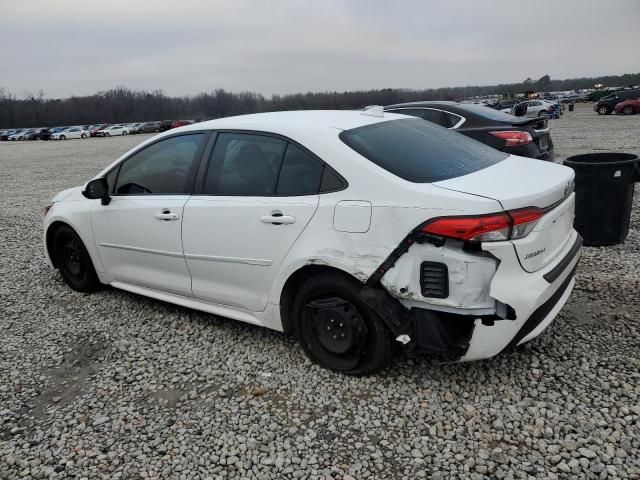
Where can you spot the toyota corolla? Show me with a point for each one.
(354, 230)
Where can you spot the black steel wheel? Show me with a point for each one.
(73, 261)
(337, 329)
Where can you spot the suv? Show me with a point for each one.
(606, 105)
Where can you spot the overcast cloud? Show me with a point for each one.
(71, 47)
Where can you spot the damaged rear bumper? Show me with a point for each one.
(494, 304)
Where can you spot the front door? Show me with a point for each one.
(139, 233)
(259, 194)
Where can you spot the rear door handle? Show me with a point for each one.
(278, 219)
(167, 216)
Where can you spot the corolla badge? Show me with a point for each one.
(535, 253)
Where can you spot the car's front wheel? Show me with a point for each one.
(73, 261)
(107, 134)
(628, 110)
(337, 329)
(62, 137)
(604, 110)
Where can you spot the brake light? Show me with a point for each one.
(495, 227)
(514, 138)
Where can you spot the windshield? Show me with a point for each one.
(420, 151)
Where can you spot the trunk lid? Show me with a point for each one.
(538, 127)
(519, 182)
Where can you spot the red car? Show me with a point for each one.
(181, 123)
(94, 131)
(628, 107)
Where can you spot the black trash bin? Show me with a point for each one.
(571, 107)
(604, 195)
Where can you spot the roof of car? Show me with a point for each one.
(283, 122)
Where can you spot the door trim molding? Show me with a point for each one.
(142, 250)
(213, 258)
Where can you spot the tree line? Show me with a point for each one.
(124, 105)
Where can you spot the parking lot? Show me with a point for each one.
(113, 385)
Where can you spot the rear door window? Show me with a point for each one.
(419, 151)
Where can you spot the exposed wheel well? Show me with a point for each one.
(293, 284)
(51, 232)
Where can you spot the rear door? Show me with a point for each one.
(258, 194)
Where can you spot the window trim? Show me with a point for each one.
(192, 171)
(457, 125)
(207, 158)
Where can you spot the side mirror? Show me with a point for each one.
(98, 188)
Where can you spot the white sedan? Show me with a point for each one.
(114, 130)
(354, 230)
(533, 108)
(70, 133)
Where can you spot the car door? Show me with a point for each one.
(139, 233)
(258, 194)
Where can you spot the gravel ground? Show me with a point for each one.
(112, 385)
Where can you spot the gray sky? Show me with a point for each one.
(79, 47)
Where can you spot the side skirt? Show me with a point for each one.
(189, 302)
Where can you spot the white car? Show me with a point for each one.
(70, 133)
(114, 130)
(351, 229)
(534, 108)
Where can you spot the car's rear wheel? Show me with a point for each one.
(73, 261)
(337, 329)
(83, 136)
(604, 110)
(628, 110)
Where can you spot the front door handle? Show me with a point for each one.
(167, 216)
(278, 219)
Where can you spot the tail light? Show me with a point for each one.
(514, 138)
(494, 227)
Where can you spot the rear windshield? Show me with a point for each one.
(420, 151)
(487, 112)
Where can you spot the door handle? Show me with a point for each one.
(167, 216)
(278, 219)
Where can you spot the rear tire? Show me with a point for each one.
(83, 136)
(337, 329)
(73, 261)
(628, 110)
(604, 110)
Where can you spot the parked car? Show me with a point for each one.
(372, 227)
(94, 132)
(505, 105)
(151, 127)
(533, 108)
(135, 128)
(165, 125)
(628, 107)
(607, 104)
(180, 123)
(515, 135)
(44, 134)
(113, 130)
(70, 133)
(20, 135)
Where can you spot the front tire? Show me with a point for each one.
(628, 110)
(107, 134)
(604, 110)
(62, 137)
(73, 261)
(541, 113)
(337, 329)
